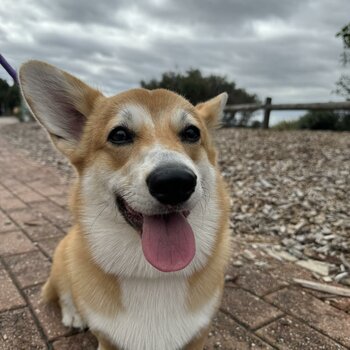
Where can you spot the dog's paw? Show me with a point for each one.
(70, 315)
(72, 319)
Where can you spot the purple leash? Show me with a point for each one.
(8, 68)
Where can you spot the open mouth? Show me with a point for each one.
(132, 217)
(167, 240)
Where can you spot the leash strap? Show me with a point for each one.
(8, 68)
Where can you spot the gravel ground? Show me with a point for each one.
(295, 186)
(32, 140)
(290, 187)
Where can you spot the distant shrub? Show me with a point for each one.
(344, 122)
(286, 125)
(318, 120)
(256, 124)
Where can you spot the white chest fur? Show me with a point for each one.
(155, 316)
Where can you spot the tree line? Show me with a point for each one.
(197, 88)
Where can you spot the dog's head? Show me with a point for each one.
(147, 169)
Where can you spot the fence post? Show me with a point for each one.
(267, 112)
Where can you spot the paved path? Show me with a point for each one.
(261, 308)
(8, 120)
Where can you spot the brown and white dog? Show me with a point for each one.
(143, 265)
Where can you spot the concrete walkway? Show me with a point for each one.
(8, 120)
(261, 309)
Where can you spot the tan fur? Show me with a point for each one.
(204, 282)
(77, 273)
(74, 270)
(104, 344)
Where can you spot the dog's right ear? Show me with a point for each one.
(59, 101)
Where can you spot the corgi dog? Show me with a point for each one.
(143, 265)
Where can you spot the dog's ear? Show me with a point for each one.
(59, 101)
(212, 111)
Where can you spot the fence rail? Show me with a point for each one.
(267, 107)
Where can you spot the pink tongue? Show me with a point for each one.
(168, 241)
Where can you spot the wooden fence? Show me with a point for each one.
(268, 107)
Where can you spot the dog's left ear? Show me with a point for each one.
(212, 111)
(59, 101)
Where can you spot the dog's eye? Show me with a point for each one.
(191, 134)
(121, 136)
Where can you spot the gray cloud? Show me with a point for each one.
(215, 16)
(83, 12)
(284, 49)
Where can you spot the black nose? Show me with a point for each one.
(171, 184)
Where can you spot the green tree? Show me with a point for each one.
(343, 84)
(9, 97)
(198, 88)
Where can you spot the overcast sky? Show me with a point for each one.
(285, 49)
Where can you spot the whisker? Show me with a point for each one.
(97, 217)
